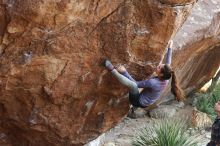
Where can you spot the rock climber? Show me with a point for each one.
(152, 87)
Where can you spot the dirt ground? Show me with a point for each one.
(122, 134)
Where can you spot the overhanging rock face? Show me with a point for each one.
(198, 46)
(54, 89)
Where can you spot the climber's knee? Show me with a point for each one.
(134, 88)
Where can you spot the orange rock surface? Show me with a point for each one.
(54, 88)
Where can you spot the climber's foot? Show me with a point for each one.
(108, 65)
(132, 115)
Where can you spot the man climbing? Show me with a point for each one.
(152, 87)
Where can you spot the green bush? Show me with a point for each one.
(207, 101)
(166, 132)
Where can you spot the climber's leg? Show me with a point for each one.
(122, 79)
(134, 95)
(133, 88)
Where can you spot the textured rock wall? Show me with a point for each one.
(197, 47)
(197, 44)
(54, 89)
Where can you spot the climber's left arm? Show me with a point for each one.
(169, 53)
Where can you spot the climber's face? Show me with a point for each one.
(158, 69)
(217, 107)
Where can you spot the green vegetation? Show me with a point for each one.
(166, 132)
(207, 101)
(173, 132)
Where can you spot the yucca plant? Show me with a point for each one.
(166, 132)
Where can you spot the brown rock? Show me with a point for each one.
(176, 3)
(54, 89)
(198, 59)
(200, 119)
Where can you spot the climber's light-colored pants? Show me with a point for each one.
(134, 96)
(133, 88)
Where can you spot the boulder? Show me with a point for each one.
(163, 112)
(201, 120)
(54, 88)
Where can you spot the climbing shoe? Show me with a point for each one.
(108, 65)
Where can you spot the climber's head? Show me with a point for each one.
(217, 107)
(164, 71)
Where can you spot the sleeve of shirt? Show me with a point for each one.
(169, 56)
(140, 84)
(145, 83)
(127, 75)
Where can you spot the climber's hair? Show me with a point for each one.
(175, 88)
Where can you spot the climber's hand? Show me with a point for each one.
(121, 69)
(170, 44)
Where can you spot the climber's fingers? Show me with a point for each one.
(170, 44)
